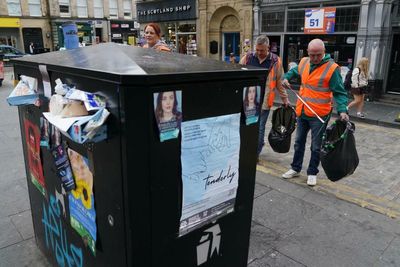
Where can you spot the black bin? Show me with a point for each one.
(137, 179)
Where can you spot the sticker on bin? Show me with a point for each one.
(210, 169)
(251, 104)
(168, 112)
(81, 129)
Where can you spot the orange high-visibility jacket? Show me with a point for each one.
(275, 66)
(314, 88)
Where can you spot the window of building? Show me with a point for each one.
(64, 8)
(14, 7)
(98, 9)
(35, 8)
(272, 21)
(295, 21)
(113, 4)
(81, 6)
(347, 19)
(127, 9)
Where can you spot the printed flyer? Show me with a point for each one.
(210, 169)
(168, 112)
(251, 103)
(32, 136)
(81, 200)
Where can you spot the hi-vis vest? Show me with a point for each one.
(275, 66)
(314, 88)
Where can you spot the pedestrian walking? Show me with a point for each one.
(262, 57)
(31, 48)
(359, 85)
(321, 82)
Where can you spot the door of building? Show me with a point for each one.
(33, 35)
(231, 44)
(394, 73)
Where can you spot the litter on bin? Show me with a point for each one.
(24, 93)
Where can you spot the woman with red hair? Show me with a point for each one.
(152, 34)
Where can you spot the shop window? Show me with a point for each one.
(113, 4)
(98, 9)
(295, 21)
(127, 9)
(14, 7)
(82, 8)
(35, 9)
(64, 8)
(347, 19)
(272, 21)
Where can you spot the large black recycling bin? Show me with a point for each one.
(136, 178)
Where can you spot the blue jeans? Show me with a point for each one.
(261, 133)
(303, 127)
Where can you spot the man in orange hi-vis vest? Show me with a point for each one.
(263, 58)
(321, 82)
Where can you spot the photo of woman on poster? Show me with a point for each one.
(168, 113)
(251, 100)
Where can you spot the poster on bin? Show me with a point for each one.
(32, 137)
(320, 20)
(168, 113)
(210, 169)
(251, 103)
(81, 200)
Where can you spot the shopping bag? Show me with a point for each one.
(283, 125)
(339, 156)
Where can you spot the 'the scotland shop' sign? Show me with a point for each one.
(166, 10)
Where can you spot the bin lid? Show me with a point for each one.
(127, 64)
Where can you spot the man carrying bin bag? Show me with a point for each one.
(321, 82)
(263, 58)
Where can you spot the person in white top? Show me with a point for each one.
(359, 85)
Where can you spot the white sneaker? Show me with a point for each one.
(312, 180)
(290, 174)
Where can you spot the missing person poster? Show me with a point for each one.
(81, 200)
(168, 112)
(32, 137)
(210, 169)
(251, 103)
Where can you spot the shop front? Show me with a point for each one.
(86, 33)
(123, 31)
(9, 32)
(177, 20)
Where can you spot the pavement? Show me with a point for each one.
(352, 222)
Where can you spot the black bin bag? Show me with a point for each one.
(283, 125)
(339, 156)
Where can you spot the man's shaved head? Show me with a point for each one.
(316, 51)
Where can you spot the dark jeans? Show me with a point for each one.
(261, 133)
(303, 127)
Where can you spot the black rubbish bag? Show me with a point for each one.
(283, 125)
(339, 156)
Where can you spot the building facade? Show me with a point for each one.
(40, 22)
(367, 28)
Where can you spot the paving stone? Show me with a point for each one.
(282, 212)
(260, 189)
(275, 259)
(328, 241)
(261, 241)
(14, 198)
(8, 233)
(23, 222)
(24, 253)
(390, 257)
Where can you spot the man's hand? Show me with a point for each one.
(285, 101)
(344, 116)
(286, 84)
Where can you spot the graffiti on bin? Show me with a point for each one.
(67, 255)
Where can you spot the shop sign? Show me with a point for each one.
(124, 25)
(9, 23)
(320, 20)
(117, 35)
(114, 25)
(166, 10)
